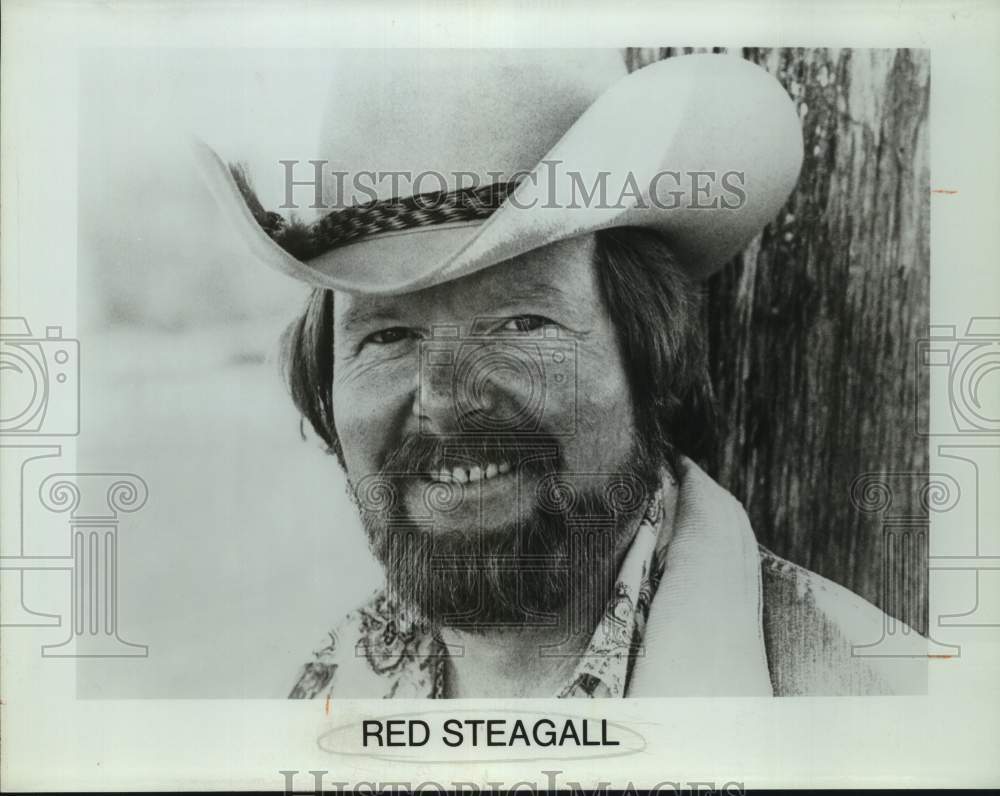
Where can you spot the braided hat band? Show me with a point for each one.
(369, 219)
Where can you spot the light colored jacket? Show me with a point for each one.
(824, 640)
(731, 618)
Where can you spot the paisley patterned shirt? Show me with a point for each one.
(379, 650)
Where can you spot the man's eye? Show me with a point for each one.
(525, 323)
(387, 336)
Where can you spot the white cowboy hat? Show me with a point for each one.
(560, 120)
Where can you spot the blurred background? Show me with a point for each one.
(247, 550)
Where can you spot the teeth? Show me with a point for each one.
(462, 476)
(492, 470)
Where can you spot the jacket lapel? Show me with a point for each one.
(704, 636)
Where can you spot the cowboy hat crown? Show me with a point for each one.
(439, 163)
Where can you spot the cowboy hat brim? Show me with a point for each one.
(689, 119)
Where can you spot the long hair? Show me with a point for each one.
(655, 308)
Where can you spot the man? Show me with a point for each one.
(510, 372)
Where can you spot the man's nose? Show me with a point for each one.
(434, 404)
(473, 389)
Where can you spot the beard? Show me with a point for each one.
(554, 562)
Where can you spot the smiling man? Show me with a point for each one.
(511, 371)
(519, 447)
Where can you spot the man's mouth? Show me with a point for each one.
(469, 475)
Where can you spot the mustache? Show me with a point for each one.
(422, 453)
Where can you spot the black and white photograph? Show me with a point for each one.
(545, 345)
(511, 369)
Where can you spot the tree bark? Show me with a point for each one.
(813, 328)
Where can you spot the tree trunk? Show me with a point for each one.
(813, 327)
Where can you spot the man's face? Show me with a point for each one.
(487, 402)
(516, 317)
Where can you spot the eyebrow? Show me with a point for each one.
(363, 316)
(526, 292)
(530, 290)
